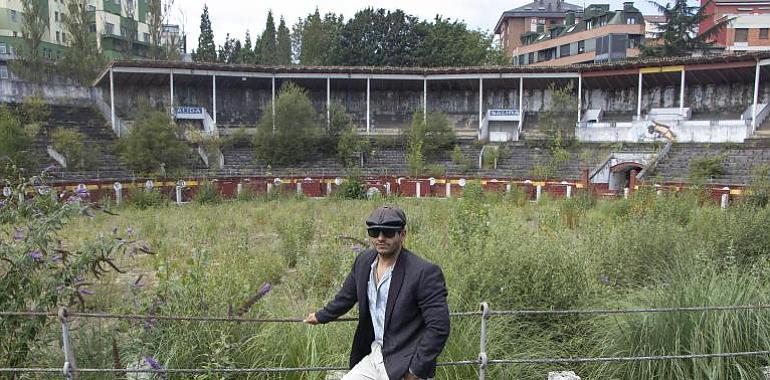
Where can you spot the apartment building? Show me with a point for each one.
(536, 17)
(601, 35)
(109, 20)
(749, 26)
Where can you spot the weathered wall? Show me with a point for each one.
(392, 108)
(734, 97)
(13, 91)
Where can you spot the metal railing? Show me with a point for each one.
(70, 371)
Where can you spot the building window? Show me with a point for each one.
(15, 33)
(3, 48)
(581, 47)
(531, 57)
(4, 72)
(58, 37)
(14, 16)
(147, 37)
(109, 28)
(92, 27)
(64, 37)
(564, 50)
(741, 35)
(56, 16)
(763, 33)
(631, 20)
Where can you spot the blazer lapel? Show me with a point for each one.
(362, 283)
(396, 280)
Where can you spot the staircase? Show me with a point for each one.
(738, 164)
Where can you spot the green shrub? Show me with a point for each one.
(14, 141)
(143, 199)
(433, 132)
(294, 135)
(350, 145)
(34, 110)
(491, 155)
(352, 187)
(415, 160)
(72, 145)
(153, 143)
(207, 193)
(706, 167)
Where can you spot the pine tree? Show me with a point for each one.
(207, 50)
(267, 48)
(283, 45)
(679, 33)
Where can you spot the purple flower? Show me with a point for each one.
(129, 231)
(85, 292)
(264, 289)
(18, 234)
(153, 363)
(36, 255)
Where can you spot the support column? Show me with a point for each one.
(328, 102)
(481, 101)
(214, 97)
(273, 102)
(580, 97)
(681, 94)
(639, 98)
(521, 102)
(171, 76)
(112, 104)
(424, 100)
(756, 100)
(368, 98)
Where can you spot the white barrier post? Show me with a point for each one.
(448, 189)
(538, 192)
(417, 189)
(239, 189)
(569, 191)
(625, 193)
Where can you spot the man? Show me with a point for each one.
(403, 318)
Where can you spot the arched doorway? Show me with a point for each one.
(620, 174)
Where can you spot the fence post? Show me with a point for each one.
(70, 368)
(483, 341)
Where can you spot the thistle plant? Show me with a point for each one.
(38, 270)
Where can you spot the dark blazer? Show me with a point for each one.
(416, 314)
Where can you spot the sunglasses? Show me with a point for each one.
(387, 232)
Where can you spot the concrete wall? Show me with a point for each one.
(734, 131)
(701, 98)
(13, 91)
(391, 108)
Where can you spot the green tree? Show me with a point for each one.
(295, 134)
(450, 43)
(34, 27)
(82, 60)
(680, 32)
(153, 142)
(157, 16)
(314, 38)
(227, 51)
(129, 29)
(207, 50)
(267, 45)
(380, 38)
(559, 118)
(433, 132)
(245, 53)
(72, 145)
(283, 44)
(15, 141)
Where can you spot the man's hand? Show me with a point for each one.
(411, 376)
(311, 319)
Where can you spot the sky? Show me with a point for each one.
(237, 16)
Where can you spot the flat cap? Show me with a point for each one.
(388, 216)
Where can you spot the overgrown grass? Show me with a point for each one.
(647, 251)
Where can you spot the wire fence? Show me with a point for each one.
(70, 371)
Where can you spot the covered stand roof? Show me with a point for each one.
(155, 72)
